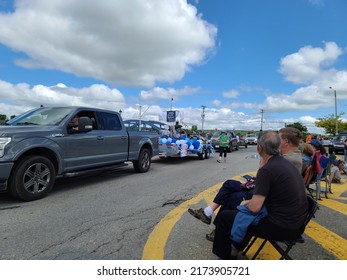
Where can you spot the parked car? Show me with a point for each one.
(233, 145)
(242, 142)
(337, 142)
(43, 143)
(251, 139)
(328, 144)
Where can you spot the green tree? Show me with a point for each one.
(194, 128)
(2, 117)
(329, 123)
(299, 126)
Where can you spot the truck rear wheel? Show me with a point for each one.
(32, 178)
(143, 163)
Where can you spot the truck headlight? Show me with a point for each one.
(3, 142)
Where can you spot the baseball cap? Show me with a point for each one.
(316, 143)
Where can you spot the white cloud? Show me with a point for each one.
(139, 42)
(217, 103)
(162, 93)
(231, 94)
(318, 3)
(314, 67)
(309, 64)
(21, 97)
(126, 42)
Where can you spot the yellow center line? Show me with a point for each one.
(155, 245)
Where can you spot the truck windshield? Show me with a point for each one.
(41, 116)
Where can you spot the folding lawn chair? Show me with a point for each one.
(311, 173)
(319, 170)
(283, 247)
(326, 175)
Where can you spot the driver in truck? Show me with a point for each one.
(74, 123)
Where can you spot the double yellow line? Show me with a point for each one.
(155, 246)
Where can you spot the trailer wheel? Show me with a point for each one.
(32, 178)
(207, 153)
(201, 156)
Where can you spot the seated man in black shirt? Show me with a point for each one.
(280, 187)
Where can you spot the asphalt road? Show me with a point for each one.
(122, 215)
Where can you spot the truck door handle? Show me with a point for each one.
(124, 137)
(100, 138)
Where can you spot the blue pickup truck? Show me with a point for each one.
(43, 143)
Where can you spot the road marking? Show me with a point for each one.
(329, 240)
(155, 245)
(154, 248)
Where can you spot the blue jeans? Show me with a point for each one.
(231, 194)
(264, 229)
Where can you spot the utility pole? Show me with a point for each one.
(336, 119)
(202, 118)
(261, 121)
(140, 116)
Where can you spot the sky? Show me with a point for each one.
(243, 64)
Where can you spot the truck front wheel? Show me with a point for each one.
(32, 178)
(143, 163)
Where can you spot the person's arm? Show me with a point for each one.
(255, 203)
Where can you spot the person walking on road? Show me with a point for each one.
(223, 146)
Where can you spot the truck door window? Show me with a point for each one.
(110, 121)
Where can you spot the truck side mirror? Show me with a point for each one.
(85, 124)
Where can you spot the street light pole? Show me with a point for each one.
(202, 118)
(261, 121)
(336, 120)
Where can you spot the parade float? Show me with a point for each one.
(174, 142)
(184, 146)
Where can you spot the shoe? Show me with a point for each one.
(300, 239)
(199, 214)
(210, 236)
(234, 252)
